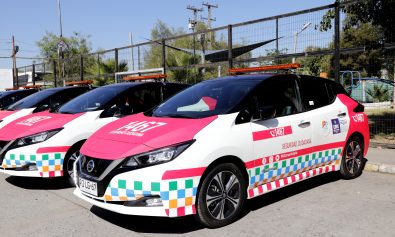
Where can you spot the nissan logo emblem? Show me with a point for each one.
(90, 166)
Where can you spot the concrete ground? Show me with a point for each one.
(321, 206)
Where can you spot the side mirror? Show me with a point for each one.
(244, 116)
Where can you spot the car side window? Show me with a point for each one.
(314, 93)
(134, 100)
(281, 93)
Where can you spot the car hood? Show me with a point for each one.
(138, 133)
(35, 123)
(5, 113)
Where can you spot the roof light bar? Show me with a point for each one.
(31, 87)
(11, 89)
(78, 83)
(153, 76)
(264, 68)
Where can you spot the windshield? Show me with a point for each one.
(32, 100)
(206, 99)
(93, 100)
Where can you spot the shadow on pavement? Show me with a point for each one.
(144, 224)
(289, 191)
(147, 224)
(38, 183)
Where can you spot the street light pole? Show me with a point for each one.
(296, 34)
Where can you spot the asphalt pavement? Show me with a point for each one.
(321, 206)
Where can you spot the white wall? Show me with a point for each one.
(5, 78)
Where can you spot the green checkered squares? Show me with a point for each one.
(45, 157)
(326, 153)
(138, 185)
(21, 157)
(172, 185)
(58, 156)
(188, 183)
(257, 171)
(284, 164)
(155, 186)
(121, 183)
(32, 157)
(12, 157)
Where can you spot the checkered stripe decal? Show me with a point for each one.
(178, 196)
(48, 164)
(268, 187)
(279, 170)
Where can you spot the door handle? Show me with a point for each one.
(304, 124)
(341, 115)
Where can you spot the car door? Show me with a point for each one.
(282, 142)
(328, 118)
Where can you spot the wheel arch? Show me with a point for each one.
(74, 146)
(225, 159)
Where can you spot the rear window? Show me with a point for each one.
(314, 93)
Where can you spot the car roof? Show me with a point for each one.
(132, 84)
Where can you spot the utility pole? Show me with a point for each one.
(209, 19)
(61, 45)
(15, 49)
(192, 25)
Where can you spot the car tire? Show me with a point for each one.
(68, 163)
(218, 205)
(352, 160)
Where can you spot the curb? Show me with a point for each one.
(381, 168)
(382, 145)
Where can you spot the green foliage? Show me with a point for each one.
(379, 93)
(77, 44)
(105, 71)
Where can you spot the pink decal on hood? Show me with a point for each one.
(6, 113)
(35, 123)
(138, 133)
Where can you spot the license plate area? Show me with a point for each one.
(87, 186)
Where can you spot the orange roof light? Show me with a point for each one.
(153, 76)
(11, 89)
(264, 68)
(31, 87)
(79, 83)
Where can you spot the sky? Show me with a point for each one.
(108, 23)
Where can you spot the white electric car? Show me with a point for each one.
(46, 144)
(210, 147)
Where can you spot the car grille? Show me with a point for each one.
(102, 167)
(99, 166)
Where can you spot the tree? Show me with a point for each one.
(77, 44)
(367, 24)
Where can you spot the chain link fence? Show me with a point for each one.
(357, 57)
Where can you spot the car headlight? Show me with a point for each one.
(36, 138)
(157, 157)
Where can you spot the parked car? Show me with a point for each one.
(46, 144)
(222, 141)
(9, 97)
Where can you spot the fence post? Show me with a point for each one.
(33, 74)
(54, 72)
(230, 47)
(164, 55)
(116, 60)
(277, 51)
(81, 67)
(337, 42)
